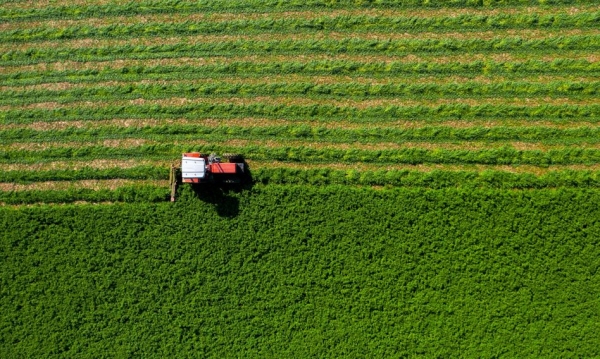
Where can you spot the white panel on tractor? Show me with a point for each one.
(193, 167)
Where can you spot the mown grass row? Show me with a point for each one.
(138, 194)
(308, 90)
(167, 133)
(410, 179)
(186, 7)
(326, 67)
(496, 156)
(320, 113)
(295, 25)
(282, 175)
(587, 43)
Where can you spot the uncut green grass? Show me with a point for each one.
(286, 271)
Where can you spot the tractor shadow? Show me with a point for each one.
(225, 196)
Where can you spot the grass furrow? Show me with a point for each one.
(296, 25)
(114, 191)
(27, 171)
(425, 60)
(523, 34)
(390, 71)
(321, 113)
(306, 90)
(589, 44)
(165, 18)
(505, 155)
(431, 134)
(79, 9)
(157, 176)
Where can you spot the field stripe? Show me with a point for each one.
(301, 151)
(365, 112)
(175, 18)
(371, 135)
(110, 184)
(189, 40)
(547, 45)
(423, 61)
(251, 122)
(313, 175)
(15, 170)
(318, 71)
(395, 91)
(278, 27)
(83, 9)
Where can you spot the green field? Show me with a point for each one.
(426, 178)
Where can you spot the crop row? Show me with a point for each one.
(308, 90)
(186, 7)
(588, 43)
(371, 134)
(326, 67)
(321, 113)
(495, 156)
(86, 173)
(145, 193)
(294, 25)
(282, 175)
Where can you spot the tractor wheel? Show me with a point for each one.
(232, 157)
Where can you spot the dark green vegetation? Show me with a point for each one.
(426, 178)
(297, 271)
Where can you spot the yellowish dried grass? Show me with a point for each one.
(77, 165)
(264, 122)
(463, 145)
(276, 100)
(89, 184)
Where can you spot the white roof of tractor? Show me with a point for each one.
(193, 167)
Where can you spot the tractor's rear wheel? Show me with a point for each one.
(232, 157)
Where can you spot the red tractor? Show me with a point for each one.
(199, 168)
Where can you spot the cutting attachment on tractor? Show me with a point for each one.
(173, 181)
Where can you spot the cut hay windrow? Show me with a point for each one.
(407, 153)
(79, 9)
(356, 24)
(372, 114)
(201, 63)
(435, 178)
(339, 70)
(173, 17)
(511, 89)
(585, 43)
(317, 134)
